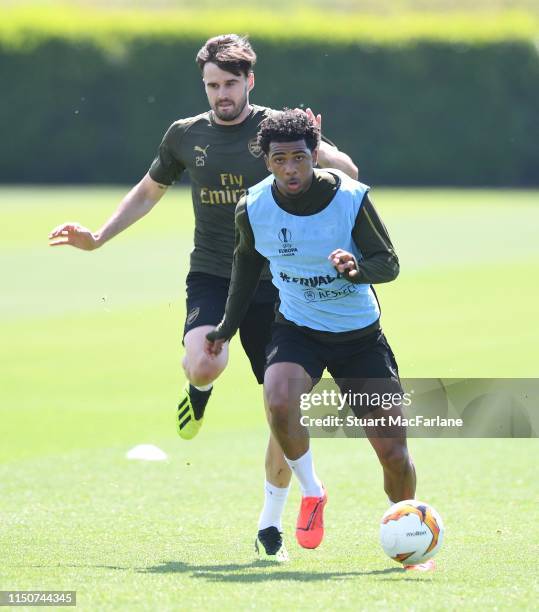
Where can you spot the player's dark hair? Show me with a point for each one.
(230, 52)
(287, 126)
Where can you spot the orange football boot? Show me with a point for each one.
(310, 525)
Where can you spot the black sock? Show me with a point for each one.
(199, 399)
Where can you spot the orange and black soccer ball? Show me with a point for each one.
(411, 532)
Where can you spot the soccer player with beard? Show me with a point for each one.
(219, 151)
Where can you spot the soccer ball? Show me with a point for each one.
(411, 532)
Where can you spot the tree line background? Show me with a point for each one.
(416, 99)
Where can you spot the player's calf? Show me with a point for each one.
(399, 471)
(278, 472)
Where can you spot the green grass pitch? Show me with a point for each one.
(90, 366)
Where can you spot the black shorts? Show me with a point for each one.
(205, 305)
(357, 366)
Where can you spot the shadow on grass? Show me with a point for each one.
(243, 572)
(234, 572)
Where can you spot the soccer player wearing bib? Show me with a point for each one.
(219, 151)
(326, 246)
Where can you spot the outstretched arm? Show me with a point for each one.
(246, 268)
(137, 203)
(329, 156)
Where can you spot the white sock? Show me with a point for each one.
(309, 482)
(274, 502)
(204, 387)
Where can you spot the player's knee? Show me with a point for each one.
(395, 458)
(277, 400)
(202, 371)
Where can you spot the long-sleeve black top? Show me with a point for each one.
(379, 264)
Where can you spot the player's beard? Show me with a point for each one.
(233, 112)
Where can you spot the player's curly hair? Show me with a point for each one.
(287, 126)
(230, 52)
